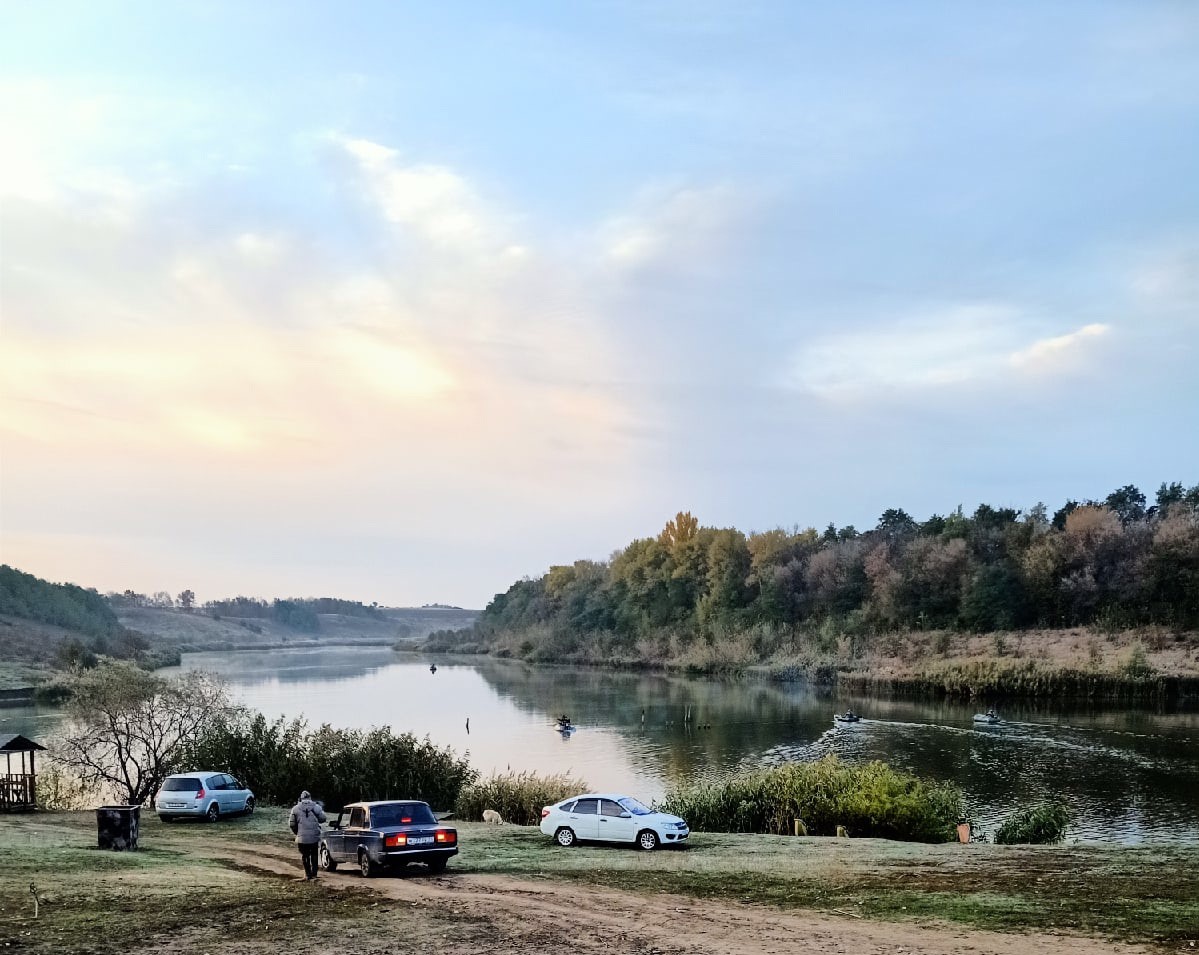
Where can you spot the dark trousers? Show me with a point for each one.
(308, 854)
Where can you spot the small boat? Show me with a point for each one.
(564, 725)
(846, 717)
(988, 718)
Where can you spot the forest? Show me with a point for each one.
(1120, 562)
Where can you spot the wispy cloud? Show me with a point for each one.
(968, 345)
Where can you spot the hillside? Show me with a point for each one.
(203, 630)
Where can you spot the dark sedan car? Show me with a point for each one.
(378, 835)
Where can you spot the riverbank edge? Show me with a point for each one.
(987, 680)
(47, 692)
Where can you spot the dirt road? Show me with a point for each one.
(468, 913)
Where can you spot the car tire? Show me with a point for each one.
(648, 840)
(325, 858)
(436, 866)
(366, 865)
(249, 806)
(162, 818)
(213, 814)
(565, 837)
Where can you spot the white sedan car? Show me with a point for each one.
(606, 817)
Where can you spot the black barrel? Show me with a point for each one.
(116, 827)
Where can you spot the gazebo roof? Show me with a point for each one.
(18, 744)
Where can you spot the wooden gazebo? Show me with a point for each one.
(18, 790)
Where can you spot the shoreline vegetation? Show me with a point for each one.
(1099, 601)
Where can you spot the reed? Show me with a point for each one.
(518, 797)
(1042, 824)
(873, 800)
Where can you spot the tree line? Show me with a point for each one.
(1118, 562)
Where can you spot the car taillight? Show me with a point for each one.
(200, 794)
(399, 839)
(446, 835)
(545, 811)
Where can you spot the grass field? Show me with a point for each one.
(185, 884)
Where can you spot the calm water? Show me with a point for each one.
(1131, 776)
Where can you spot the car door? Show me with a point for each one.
(584, 819)
(356, 833)
(215, 788)
(239, 794)
(614, 822)
(335, 838)
(230, 803)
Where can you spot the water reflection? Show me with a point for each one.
(1130, 775)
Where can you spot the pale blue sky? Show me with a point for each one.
(403, 302)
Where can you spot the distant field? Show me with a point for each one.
(198, 630)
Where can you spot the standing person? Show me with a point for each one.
(305, 821)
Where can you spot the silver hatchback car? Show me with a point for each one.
(202, 795)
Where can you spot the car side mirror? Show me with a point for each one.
(626, 815)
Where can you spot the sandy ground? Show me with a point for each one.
(497, 915)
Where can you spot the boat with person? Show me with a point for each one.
(849, 716)
(990, 718)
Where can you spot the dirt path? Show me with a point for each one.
(500, 915)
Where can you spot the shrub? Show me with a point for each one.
(518, 797)
(871, 800)
(1042, 824)
(278, 760)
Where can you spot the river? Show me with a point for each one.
(1130, 776)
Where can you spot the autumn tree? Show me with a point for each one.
(682, 528)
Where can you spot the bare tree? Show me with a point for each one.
(127, 725)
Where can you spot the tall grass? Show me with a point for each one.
(1042, 824)
(871, 800)
(518, 797)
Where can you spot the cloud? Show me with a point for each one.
(1054, 353)
(683, 227)
(433, 202)
(959, 347)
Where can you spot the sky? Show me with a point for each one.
(403, 302)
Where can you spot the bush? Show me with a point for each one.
(871, 800)
(277, 760)
(1042, 824)
(518, 797)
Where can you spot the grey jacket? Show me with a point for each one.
(308, 816)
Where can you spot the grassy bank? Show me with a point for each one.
(187, 886)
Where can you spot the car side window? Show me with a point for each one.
(358, 817)
(214, 782)
(227, 782)
(233, 783)
(569, 806)
(609, 807)
(586, 807)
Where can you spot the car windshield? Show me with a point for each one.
(402, 814)
(635, 807)
(181, 786)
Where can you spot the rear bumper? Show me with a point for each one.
(423, 854)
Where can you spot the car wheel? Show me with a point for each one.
(565, 837)
(647, 839)
(325, 858)
(436, 866)
(214, 813)
(249, 805)
(368, 868)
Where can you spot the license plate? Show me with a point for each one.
(175, 805)
(419, 840)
